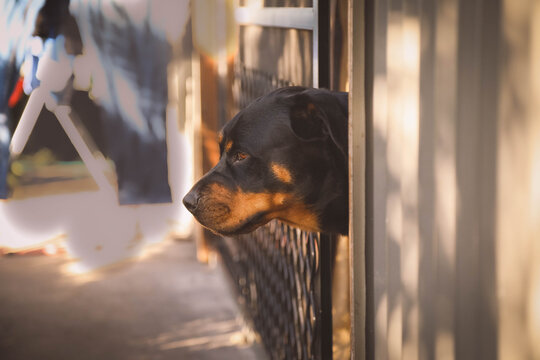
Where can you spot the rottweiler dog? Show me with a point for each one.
(285, 156)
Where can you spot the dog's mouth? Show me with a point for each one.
(234, 212)
(220, 219)
(248, 225)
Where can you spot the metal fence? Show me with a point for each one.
(282, 275)
(250, 84)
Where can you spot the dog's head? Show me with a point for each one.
(282, 157)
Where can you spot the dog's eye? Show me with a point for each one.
(239, 156)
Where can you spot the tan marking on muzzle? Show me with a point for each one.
(241, 207)
(227, 210)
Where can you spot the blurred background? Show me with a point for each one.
(97, 134)
(109, 112)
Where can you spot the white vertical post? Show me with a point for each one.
(315, 65)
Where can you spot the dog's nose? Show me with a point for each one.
(191, 200)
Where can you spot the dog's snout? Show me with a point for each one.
(191, 200)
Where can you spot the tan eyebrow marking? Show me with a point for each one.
(229, 145)
(281, 172)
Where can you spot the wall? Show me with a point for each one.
(453, 184)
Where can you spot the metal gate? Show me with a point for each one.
(282, 275)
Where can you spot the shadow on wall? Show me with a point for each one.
(455, 181)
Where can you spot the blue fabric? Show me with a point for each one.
(130, 70)
(4, 156)
(130, 84)
(6, 73)
(17, 18)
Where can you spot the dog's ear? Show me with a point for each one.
(305, 120)
(314, 116)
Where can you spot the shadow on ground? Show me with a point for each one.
(164, 305)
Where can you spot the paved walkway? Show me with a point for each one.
(163, 306)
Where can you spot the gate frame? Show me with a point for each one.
(358, 166)
(316, 19)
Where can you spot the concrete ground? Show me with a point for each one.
(164, 305)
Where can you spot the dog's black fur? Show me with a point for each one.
(284, 156)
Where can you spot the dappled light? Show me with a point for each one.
(518, 223)
(202, 334)
(456, 181)
(401, 129)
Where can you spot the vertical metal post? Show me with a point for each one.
(325, 269)
(321, 32)
(357, 176)
(321, 73)
(315, 37)
(368, 208)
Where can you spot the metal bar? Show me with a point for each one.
(326, 256)
(321, 78)
(315, 46)
(292, 18)
(357, 168)
(40, 97)
(94, 166)
(27, 122)
(369, 207)
(323, 42)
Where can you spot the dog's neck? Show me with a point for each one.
(335, 216)
(333, 208)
